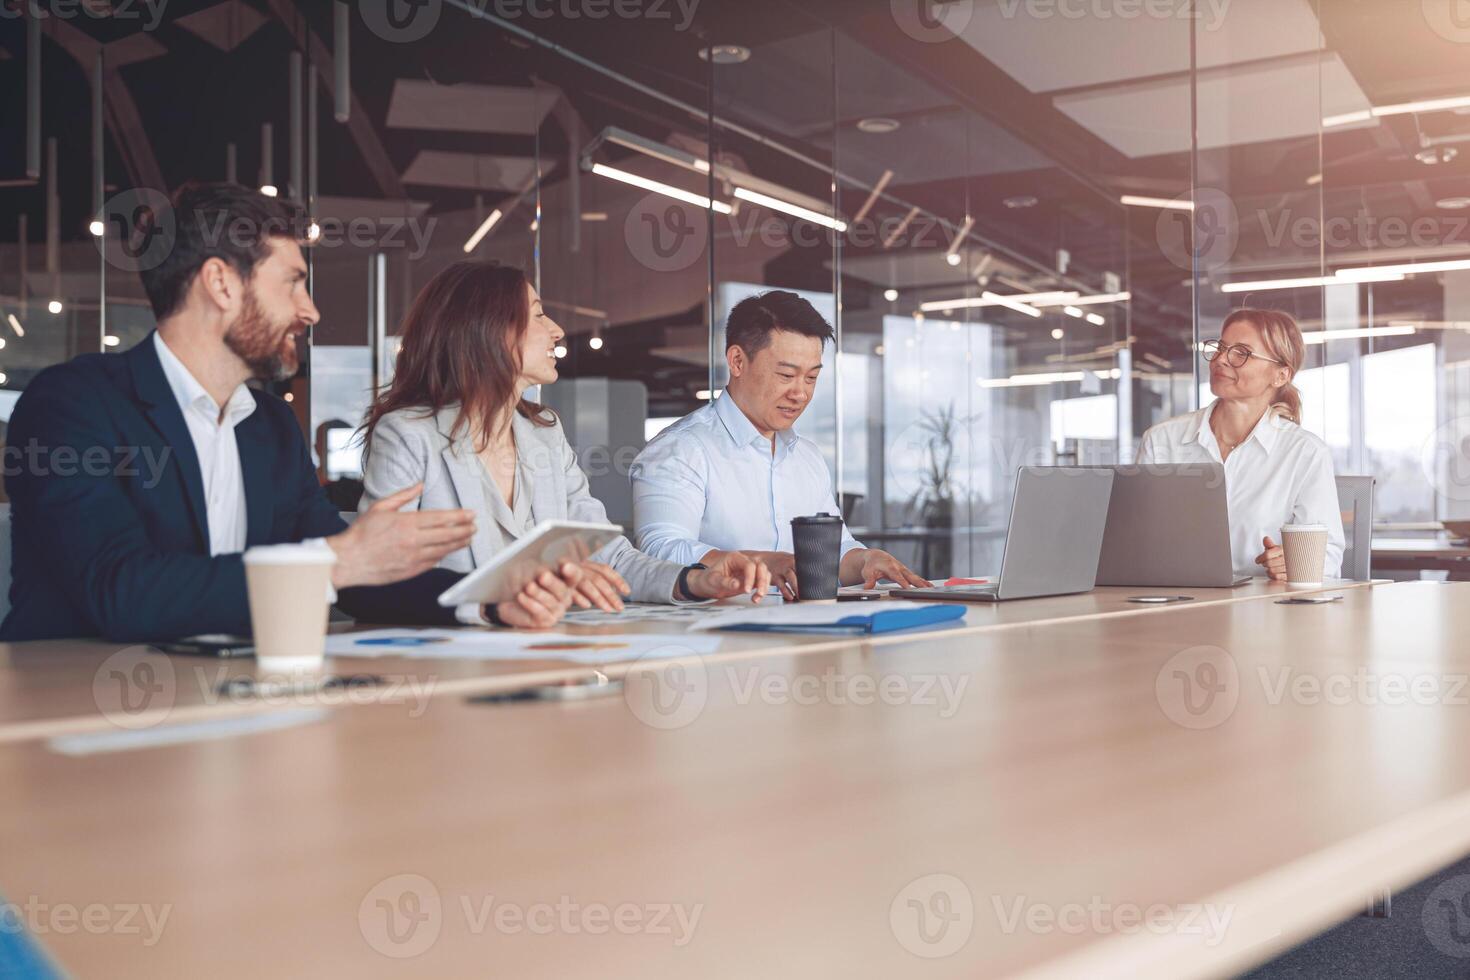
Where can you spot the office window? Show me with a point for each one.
(1094, 417)
(1398, 416)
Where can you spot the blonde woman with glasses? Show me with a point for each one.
(1276, 472)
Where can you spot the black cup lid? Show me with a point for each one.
(822, 518)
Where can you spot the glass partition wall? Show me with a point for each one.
(1022, 219)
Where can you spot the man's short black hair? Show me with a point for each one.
(213, 220)
(751, 322)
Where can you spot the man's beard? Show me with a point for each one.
(259, 343)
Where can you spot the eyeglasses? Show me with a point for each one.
(1235, 354)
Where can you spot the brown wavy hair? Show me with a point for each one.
(462, 344)
(1284, 342)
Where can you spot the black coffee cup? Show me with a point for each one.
(817, 542)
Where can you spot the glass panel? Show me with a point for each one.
(773, 151)
(624, 268)
(1392, 193)
(995, 216)
(1262, 76)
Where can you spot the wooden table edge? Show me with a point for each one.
(1288, 904)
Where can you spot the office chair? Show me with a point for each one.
(1355, 499)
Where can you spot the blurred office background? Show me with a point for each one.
(1022, 216)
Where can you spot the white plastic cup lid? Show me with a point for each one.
(291, 554)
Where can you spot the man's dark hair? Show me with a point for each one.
(751, 322)
(213, 220)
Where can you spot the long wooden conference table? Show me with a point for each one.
(58, 687)
(1065, 787)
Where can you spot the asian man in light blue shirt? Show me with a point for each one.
(732, 475)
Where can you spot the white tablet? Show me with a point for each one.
(546, 547)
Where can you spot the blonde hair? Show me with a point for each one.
(1283, 339)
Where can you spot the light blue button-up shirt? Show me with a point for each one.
(710, 482)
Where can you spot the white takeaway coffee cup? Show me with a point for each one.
(290, 587)
(1306, 553)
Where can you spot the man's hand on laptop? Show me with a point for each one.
(387, 545)
(869, 565)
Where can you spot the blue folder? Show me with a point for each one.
(878, 621)
(21, 957)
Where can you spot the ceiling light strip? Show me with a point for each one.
(1137, 201)
(796, 210)
(699, 201)
(1323, 336)
(873, 197)
(482, 231)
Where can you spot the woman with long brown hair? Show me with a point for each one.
(456, 419)
(1276, 472)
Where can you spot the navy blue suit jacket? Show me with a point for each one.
(108, 524)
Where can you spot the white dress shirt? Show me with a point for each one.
(214, 445)
(710, 482)
(1281, 474)
(219, 462)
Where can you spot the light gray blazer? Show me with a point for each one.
(409, 446)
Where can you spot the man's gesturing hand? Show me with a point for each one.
(732, 573)
(385, 545)
(782, 566)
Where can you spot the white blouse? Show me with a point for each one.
(1281, 474)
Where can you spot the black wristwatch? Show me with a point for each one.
(681, 588)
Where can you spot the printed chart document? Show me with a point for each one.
(470, 644)
(642, 612)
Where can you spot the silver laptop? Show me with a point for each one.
(1052, 543)
(1168, 527)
